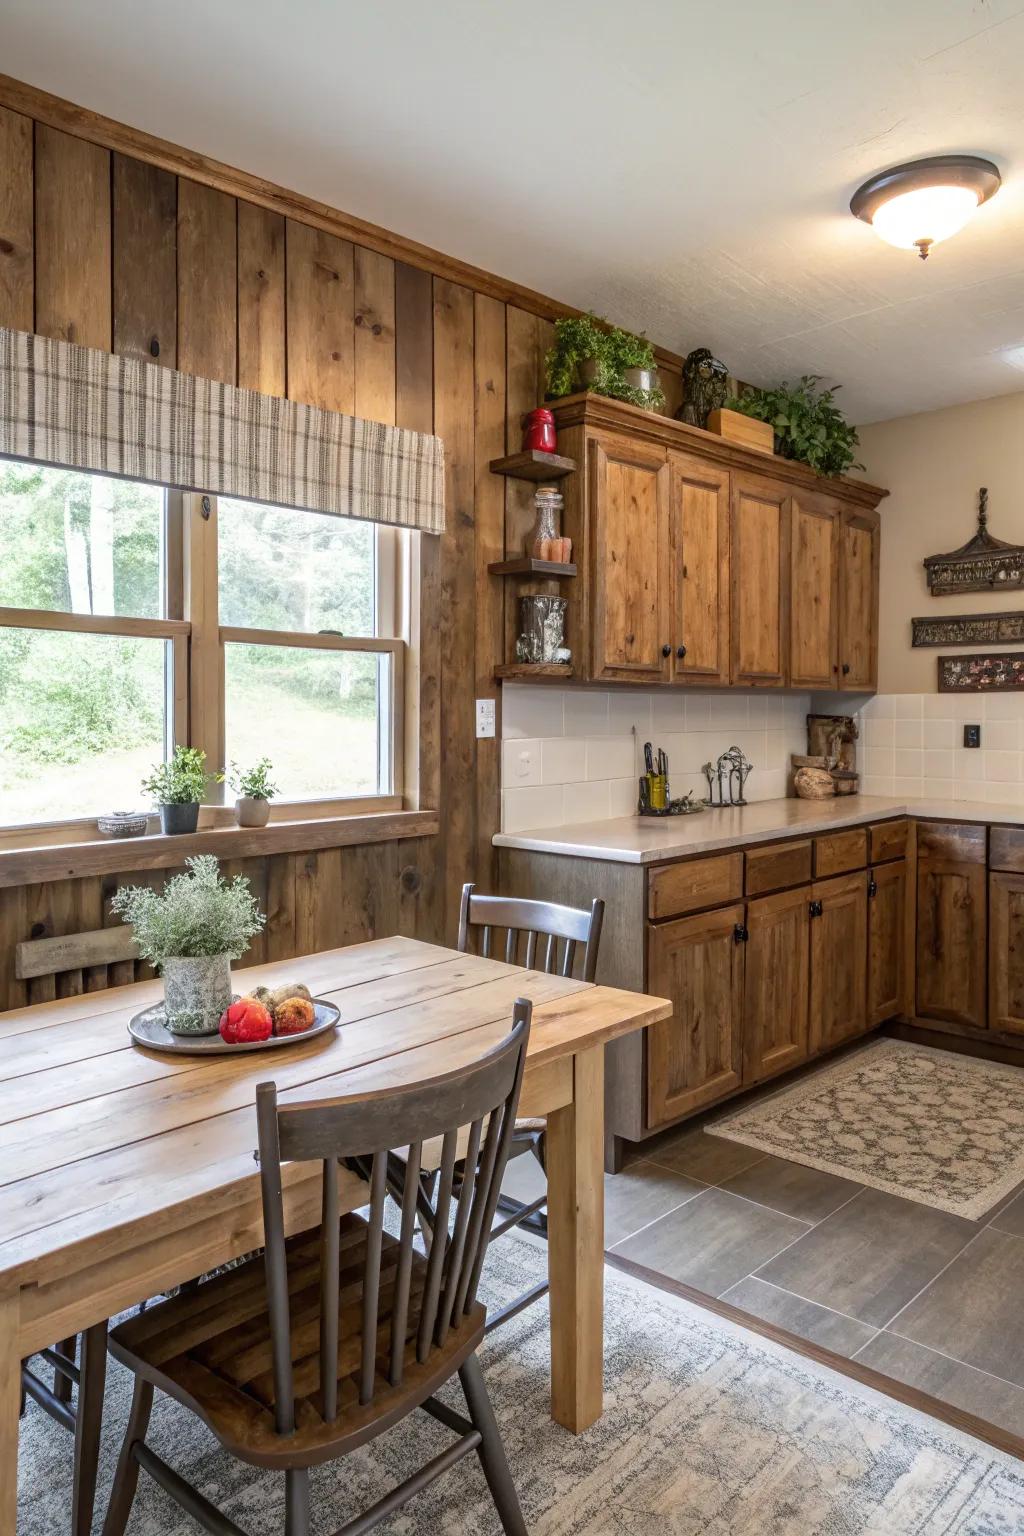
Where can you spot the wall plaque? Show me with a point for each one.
(996, 672)
(983, 564)
(970, 629)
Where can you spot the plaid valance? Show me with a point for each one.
(79, 408)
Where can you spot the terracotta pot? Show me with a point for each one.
(250, 812)
(197, 989)
(178, 819)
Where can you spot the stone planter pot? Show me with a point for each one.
(588, 373)
(641, 378)
(176, 819)
(196, 992)
(250, 812)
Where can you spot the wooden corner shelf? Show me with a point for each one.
(523, 671)
(527, 565)
(532, 464)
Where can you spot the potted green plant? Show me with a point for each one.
(254, 790)
(807, 423)
(578, 357)
(634, 376)
(191, 931)
(177, 788)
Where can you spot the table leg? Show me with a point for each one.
(575, 1169)
(10, 1409)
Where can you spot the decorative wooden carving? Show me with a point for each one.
(983, 564)
(970, 629)
(995, 672)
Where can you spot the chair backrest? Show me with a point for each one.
(479, 1100)
(541, 924)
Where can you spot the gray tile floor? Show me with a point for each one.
(922, 1296)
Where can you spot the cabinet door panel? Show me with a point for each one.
(887, 896)
(814, 591)
(858, 600)
(1006, 953)
(630, 562)
(776, 984)
(700, 597)
(695, 1057)
(839, 949)
(759, 552)
(951, 923)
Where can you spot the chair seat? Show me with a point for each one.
(211, 1349)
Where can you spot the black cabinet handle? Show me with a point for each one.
(872, 886)
(681, 652)
(846, 669)
(741, 933)
(666, 650)
(816, 909)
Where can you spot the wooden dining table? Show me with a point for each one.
(124, 1171)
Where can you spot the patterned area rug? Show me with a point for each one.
(708, 1429)
(935, 1127)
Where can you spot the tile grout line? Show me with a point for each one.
(785, 1291)
(953, 1359)
(948, 1265)
(755, 1273)
(655, 1219)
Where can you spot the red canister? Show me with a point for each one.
(539, 430)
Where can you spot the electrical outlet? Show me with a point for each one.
(972, 735)
(484, 718)
(524, 764)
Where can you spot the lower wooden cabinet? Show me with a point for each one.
(887, 903)
(1006, 952)
(839, 939)
(695, 1057)
(951, 923)
(776, 984)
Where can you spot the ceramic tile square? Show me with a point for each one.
(938, 765)
(757, 713)
(622, 796)
(1004, 706)
(941, 789)
(907, 762)
(774, 710)
(629, 711)
(771, 785)
(563, 759)
(586, 802)
(871, 785)
(697, 711)
(778, 748)
(970, 765)
(727, 713)
(529, 712)
(907, 733)
(908, 788)
(880, 733)
(522, 809)
(907, 706)
(667, 712)
(520, 763)
(612, 757)
(1002, 767)
(586, 713)
(937, 706)
(878, 760)
(1000, 736)
(938, 734)
(1002, 794)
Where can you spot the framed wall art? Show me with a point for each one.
(991, 672)
(969, 629)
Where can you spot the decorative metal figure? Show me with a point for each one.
(705, 387)
(983, 564)
(735, 766)
(708, 771)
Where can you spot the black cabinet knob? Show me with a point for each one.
(666, 650)
(872, 886)
(816, 909)
(846, 669)
(681, 651)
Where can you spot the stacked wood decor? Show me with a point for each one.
(117, 240)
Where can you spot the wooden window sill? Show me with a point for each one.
(108, 855)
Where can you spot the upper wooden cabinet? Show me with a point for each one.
(760, 561)
(858, 600)
(630, 602)
(815, 534)
(703, 563)
(699, 503)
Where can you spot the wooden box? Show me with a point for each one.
(747, 430)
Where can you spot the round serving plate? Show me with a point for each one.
(148, 1028)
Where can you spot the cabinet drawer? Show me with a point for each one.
(776, 868)
(888, 840)
(1006, 849)
(677, 888)
(837, 852)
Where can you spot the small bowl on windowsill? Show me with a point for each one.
(123, 824)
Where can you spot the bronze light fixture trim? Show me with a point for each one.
(915, 205)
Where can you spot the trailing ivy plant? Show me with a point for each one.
(807, 423)
(581, 338)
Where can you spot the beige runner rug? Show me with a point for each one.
(943, 1129)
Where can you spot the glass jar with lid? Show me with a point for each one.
(545, 541)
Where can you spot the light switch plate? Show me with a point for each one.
(484, 718)
(972, 735)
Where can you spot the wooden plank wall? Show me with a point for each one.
(111, 251)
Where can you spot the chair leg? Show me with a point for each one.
(126, 1478)
(62, 1383)
(492, 1451)
(296, 1503)
(88, 1423)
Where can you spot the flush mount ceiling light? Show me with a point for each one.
(916, 205)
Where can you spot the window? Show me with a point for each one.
(133, 619)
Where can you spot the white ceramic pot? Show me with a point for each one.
(250, 812)
(197, 989)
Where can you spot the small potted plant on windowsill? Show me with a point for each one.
(191, 931)
(255, 790)
(177, 788)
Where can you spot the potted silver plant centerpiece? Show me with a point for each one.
(191, 931)
(255, 790)
(177, 788)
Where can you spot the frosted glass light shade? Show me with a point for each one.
(925, 216)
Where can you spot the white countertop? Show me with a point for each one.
(648, 840)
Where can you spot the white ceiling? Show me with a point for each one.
(683, 168)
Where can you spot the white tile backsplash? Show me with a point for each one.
(927, 756)
(573, 755)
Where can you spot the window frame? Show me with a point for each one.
(195, 704)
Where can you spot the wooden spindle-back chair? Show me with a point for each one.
(330, 1338)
